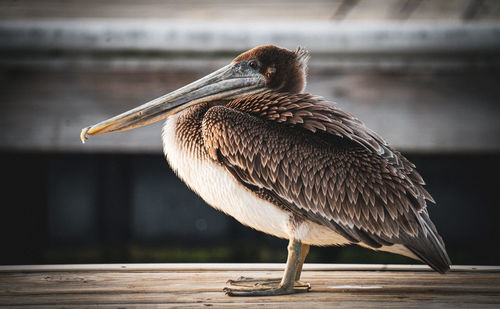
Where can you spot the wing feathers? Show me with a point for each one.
(362, 189)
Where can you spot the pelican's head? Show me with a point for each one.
(262, 69)
(283, 70)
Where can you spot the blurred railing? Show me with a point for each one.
(422, 76)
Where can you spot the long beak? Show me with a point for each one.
(231, 81)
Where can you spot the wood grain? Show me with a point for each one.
(200, 285)
(338, 10)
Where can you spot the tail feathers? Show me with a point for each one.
(429, 247)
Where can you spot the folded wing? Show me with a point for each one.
(322, 164)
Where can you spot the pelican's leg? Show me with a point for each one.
(304, 250)
(270, 282)
(287, 285)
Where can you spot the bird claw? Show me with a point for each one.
(254, 282)
(264, 287)
(239, 280)
(266, 291)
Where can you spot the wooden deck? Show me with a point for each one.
(200, 285)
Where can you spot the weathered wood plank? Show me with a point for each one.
(258, 10)
(230, 267)
(169, 9)
(189, 285)
(215, 35)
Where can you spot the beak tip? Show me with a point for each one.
(84, 135)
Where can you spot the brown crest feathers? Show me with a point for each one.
(303, 57)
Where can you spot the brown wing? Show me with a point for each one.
(322, 164)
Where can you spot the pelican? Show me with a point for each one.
(252, 144)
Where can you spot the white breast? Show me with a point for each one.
(222, 191)
(219, 188)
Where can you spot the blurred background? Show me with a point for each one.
(424, 74)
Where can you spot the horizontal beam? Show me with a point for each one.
(233, 266)
(338, 10)
(45, 109)
(213, 36)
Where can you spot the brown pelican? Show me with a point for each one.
(287, 163)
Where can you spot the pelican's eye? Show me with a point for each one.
(254, 64)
